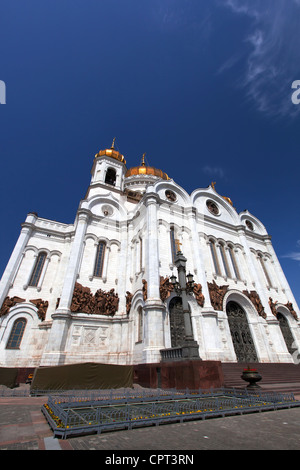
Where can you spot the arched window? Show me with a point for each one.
(224, 260)
(98, 270)
(141, 253)
(140, 325)
(269, 283)
(214, 256)
(110, 177)
(37, 271)
(173, 244)
(16, 334)
(234, 263)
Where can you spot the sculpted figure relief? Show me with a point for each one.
(165, 288)
(102, 303)
(198, 294)
(289, 305)
(42, 306)
(144, 289)
(217, 295)
(255, 299)
(128, 301)
(8, 303)
(273, 306)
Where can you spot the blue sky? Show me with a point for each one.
(202, 86)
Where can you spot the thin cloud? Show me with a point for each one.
(295, 256)
(214, 171)
(273, 62)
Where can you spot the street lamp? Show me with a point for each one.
(183, 287)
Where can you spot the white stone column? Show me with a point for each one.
(154, 308)
(14, 261)
(54, 353)
(198, 261)
(122, 278)
(74, 262)
(152, 250)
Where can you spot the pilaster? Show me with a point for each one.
(74, 262)
(14, 261)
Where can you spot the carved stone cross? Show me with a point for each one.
(178, 244)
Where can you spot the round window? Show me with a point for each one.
(249, 225)
(170, 195)
(212, 207)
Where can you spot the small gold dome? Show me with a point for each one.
(228, 200)
(111, 153)
(142, 169)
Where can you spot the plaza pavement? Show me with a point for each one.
(24, 427)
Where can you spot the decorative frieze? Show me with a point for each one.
(217, 295)
(42, 306)
(255, 299)
(10, 302)
(100, 303)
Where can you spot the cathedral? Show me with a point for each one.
(109, 288)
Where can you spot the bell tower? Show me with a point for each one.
(109, 168)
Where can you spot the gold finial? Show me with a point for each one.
(143, 160)
(178, 244)
(113, 143)
(213, 183)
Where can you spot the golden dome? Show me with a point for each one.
(111, 153)
(213, 183)
(228, 200)
(146, 170)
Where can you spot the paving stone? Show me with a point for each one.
(24, 427)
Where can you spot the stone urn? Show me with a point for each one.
(251, 376)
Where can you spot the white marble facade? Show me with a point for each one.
(136, 214)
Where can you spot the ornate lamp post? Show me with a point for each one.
(183, 287)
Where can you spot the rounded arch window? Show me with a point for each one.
(110, 177)
(16, 334)
(37, 270)
(99, 262)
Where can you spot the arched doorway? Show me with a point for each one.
(240, 332)
(176, 322)
(286, 332)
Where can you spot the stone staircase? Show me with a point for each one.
(275, 377)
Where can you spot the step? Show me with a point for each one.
(281, 377)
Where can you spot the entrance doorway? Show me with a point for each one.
(286, 332)
(240, 332)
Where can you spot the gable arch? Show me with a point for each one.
(227, 213)
(258, 227)
(182, 197)
(100, 204)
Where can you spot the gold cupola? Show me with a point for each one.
(112, 152)
(143, 169)
(213, 183)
